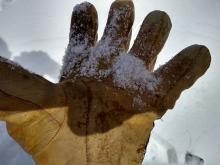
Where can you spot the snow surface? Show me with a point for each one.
(161, 152)
(191, 159)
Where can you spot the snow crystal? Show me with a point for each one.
(107, 58)
(127, 70)
(160, 151)
(75, 53)
(138, 102)
(106, 48)
(117, 15)
(102, 52)
(130, 72)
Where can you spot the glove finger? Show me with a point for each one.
(180, 73)
(83, 35)
(116, 37)
(151, 37)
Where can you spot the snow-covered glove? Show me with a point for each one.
(102, 110)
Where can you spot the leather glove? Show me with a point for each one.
(102, 110)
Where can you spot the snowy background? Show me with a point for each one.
(35, 34)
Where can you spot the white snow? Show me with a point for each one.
(89, 59)
(127, 70)
(191, 159)
(130, 72)
(161, 152)
(107, 58)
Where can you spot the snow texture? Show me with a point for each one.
(107, 58)
(161, 151)
(191, 159)
(127, 70)
(130, 72)
(75, 53)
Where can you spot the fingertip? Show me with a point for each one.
(83, 7)
(200, 56)
(125, 7)
(84, 21)
(204, 55)
(159, 16)
(207, 56)
(123, 1)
